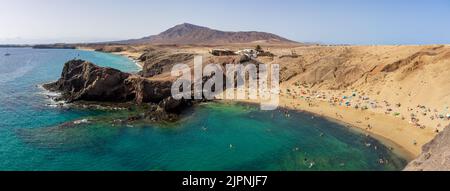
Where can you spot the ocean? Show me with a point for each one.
(211, 136)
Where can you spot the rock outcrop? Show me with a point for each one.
(222, 52)
(81, 80)
(84, 81)
(148, 91)
(435, 154)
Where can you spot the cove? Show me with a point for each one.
(210, 136)
(194, 181)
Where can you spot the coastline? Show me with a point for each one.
(391, 131)
(133, 56)
(130, 55)
(395, 127)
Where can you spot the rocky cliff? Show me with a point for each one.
(435, 154)
(81, 80)
(159, 61)
(84, 81)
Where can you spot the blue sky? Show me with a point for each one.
(326, 21)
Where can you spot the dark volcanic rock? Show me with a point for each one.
(174, 106)
(145, 90)
(222, 52)
(435, 154)
(81, 80)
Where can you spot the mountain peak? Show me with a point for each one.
(187, 33)
(189, 25)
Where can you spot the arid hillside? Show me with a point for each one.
(192, 34)
(409, 80)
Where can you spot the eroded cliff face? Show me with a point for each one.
(435, 154)
(83, 81)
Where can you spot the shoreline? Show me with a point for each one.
(132, 56)
(390, 131)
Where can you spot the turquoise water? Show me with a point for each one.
(211, 136)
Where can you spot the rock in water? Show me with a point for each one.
(146, 90)
(174, 106)
(84, 81)
(81, 80)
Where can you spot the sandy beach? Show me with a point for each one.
(384, 126)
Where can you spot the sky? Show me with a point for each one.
(322, 21)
